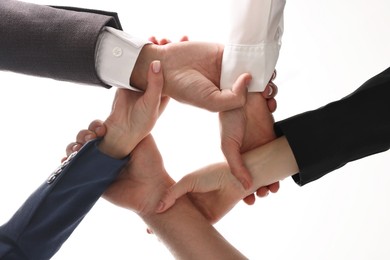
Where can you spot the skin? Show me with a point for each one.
(187, 228)
(245, 128)
(133, 116)
(192, 74)
(216, 191)
(185, 231)
(213, 190)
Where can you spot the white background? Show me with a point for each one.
(330, 48)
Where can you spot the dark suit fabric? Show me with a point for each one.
(354, 127)
(53, 42)
(55, 209)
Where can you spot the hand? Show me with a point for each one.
(212, 189)
(142, 182)
(191, 74)
(246, 128)
(134, 114)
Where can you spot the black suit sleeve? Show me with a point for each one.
(354, 127)
(53, 42)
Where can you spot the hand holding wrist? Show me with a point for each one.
(149, 53)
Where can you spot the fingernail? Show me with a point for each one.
(88, 137)
(271, 90)
(74, 147)
(273, 75)
(156, 66)
(97, 130)
(160, 206)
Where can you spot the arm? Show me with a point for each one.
(215, 191)
(185, 232)
(183, 229)
(315, 143)
(252, 47)
(245, 128)
(349, 129)
(65, 48)
(188, 235)
(51, 42)
(53, 211)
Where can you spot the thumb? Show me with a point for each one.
(237, 166)
(231, 149)
(152, 95)
(235, 97)
(187, 184)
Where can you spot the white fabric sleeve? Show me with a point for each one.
(253, 43)
(116, 54)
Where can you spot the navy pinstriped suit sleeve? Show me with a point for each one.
(49, 216)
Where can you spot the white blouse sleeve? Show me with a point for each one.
(254, 42)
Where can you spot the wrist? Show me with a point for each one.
(270, 163)
(148, 211)
(149, 53)
(116, 143)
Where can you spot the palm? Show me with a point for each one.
(259, 123)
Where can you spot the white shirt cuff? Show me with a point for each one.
(258, 60)
(116, 54)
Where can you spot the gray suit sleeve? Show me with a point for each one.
(52, 42)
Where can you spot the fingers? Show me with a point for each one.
(184, 39)
(98, 127)
(173, 193)
(272, 105)
(164, 41)
(72, 147)
(95, 129)
(194, 182)
(269, 93)
(274, 75)
(227, 99)
(153, 39)
(250, 199)
(264, 191)
(270, 90)
(274, 187)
